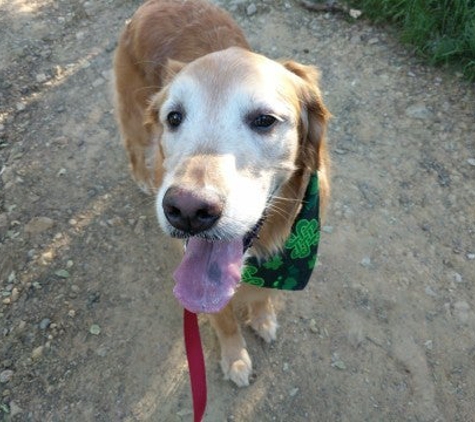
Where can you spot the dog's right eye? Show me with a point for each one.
(174, 119)
(262, 123)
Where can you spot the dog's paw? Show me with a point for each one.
(238, 368)
(266, 326)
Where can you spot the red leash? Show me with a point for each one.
(196, 363)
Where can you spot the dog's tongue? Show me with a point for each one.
(208, 274)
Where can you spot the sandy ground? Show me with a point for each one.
(90, 330)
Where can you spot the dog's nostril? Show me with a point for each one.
(172, 211)
(192, 211)
(207, 214)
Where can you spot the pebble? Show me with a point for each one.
(366, 262)
(41, 77)
(457, 278)
(184, 412)
(328, 229)
(95, 329)
(14, 409)
(62, 274)
(98, 82)
(37, 352)
(418, 111)
(44, 324)
(471, 256)
(251, 9)
(6, 376)
(38, 225)
(15, 295)
(462, 311)
(20, 106)
(471, 161)
(3, 220)
(293, 392)
(313, 326)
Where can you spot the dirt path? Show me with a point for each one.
(90, 330)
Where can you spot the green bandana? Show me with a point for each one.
(291, 269)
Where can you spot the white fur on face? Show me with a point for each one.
(219, 96)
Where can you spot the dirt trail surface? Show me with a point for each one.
(90, 330)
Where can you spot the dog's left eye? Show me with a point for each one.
(263, 122)
(174, 119)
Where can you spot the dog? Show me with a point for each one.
(227, 140)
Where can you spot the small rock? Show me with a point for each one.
(430, 291)
(44, 324)
(339, 364)
(366, 262)
(457, 278)
(102, 352)
(285, 367)
(41, 77)
(98, 82)
(3, 220)
(418, 111)
(293, 392)
(328, 229)
(355, 334)
(471, 161)
(37, 352)
(38, 225)
(20, 106)
(462, 311)
(95, 329)
(429, 345)
(313, 326)
(355, 13)
(471, 256)
(14, 409)
(15, 295)
(251, 9)
(184, 412)
(115, 221)
(6, 376)
(62, 273)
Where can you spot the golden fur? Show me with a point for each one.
(162, 38)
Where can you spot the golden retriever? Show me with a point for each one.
(227, 140)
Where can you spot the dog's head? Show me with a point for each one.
(234, 128)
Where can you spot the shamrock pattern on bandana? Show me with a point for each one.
(291, 269)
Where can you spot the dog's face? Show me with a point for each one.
(229, 132)
(232, 128)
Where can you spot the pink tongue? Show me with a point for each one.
(208, 274)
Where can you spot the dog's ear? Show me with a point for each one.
(169, 71)
(314, 117)
(171, 68)
(151, 121)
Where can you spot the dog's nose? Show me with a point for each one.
(192, 211)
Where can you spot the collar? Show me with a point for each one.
(291, 268)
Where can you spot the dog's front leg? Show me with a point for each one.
(235, 361)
